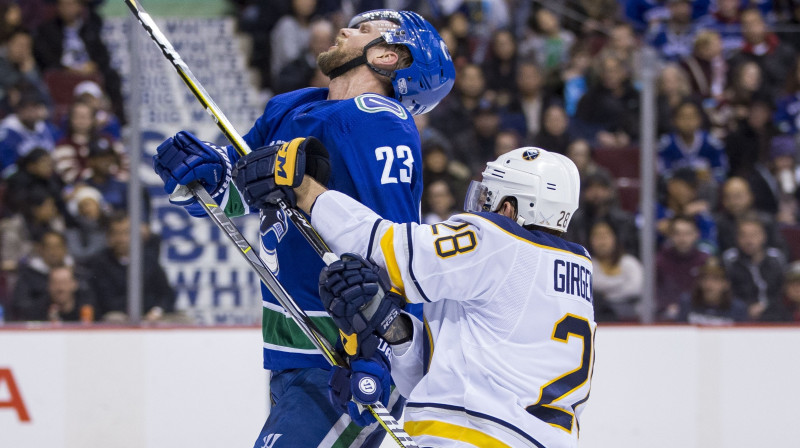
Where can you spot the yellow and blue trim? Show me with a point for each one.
(387, 247)
(436, 428)
(534, 237)
(411, 264)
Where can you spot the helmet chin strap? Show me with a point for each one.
(360, 60)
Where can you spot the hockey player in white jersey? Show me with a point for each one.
(504, 357)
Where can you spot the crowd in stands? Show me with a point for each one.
(566, 76)
(64, 230)
(562, 75)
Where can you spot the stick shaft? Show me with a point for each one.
(267, 277)
(381, 414)
(298, 219)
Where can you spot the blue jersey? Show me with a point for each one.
(705, 154)
(375, 155)
(16, 140)
(787, 114)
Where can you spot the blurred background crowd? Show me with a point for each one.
(561, 75)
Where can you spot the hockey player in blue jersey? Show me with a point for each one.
(384, 67)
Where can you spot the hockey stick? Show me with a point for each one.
(381, 414)
(298, 219)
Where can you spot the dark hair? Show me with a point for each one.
(619, 250)
(29, 98)
(11, 33)
(792, 83)
(116, 217)
(32, 157)
(704, 120)
(495, 34)
(712, 267)
(76, 103)
(683, 218)
(599, 177)
(751, 217)
(39, 239)
(739, 96)
(37, 196)
(685, 174)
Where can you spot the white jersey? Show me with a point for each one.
(506, 349)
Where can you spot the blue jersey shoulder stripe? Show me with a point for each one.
(481, 415)
(536, 237)
(411, 263)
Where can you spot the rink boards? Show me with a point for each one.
(139, 388)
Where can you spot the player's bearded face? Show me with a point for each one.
(336, 57)
(350, 44)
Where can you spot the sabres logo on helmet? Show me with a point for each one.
(530, 154)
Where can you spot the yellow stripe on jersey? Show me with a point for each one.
(543, 246)
(450, 431)
(387, 247)
(429, 338)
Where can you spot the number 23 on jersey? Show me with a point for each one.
(405, 162)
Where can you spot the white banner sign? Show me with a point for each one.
(213, 283)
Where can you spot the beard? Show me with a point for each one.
(330, 60)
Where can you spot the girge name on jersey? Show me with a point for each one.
(572, 278)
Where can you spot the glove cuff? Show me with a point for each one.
(223, 153)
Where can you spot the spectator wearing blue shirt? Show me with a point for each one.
(691, 146)
(726, 20)
(645, 13)
(682, 199)
(787, 109)
(102, 162)
(674, 38)
(104, 166)
(575, 77)
(25, 130)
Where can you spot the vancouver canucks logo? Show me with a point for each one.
(530, 154)
(273, 227)
(372, 103)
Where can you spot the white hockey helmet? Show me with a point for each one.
(546, 186)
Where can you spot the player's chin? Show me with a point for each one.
(329, 60)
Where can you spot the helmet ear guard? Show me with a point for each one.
(430, 77)
(546, 187)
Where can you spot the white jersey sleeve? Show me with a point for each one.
(421, 260)
(408, 363)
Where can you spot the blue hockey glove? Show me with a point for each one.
(366, 382)
(270, 173)
(354, 292)
(184, 158)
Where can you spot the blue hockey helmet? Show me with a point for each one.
(429, 78)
